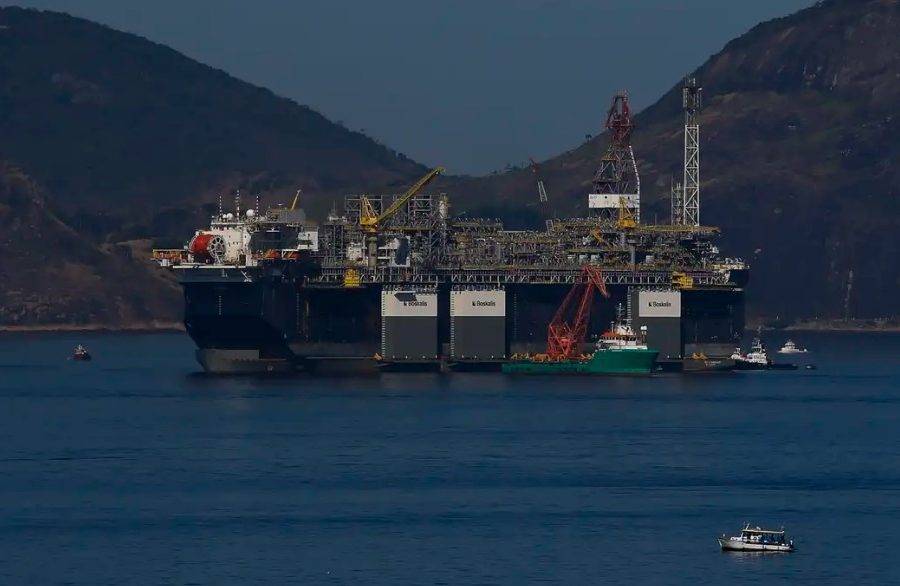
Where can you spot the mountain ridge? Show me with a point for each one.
(111, 142)
(804, 202)
(53, 275)
(124, 118)
(125, 142)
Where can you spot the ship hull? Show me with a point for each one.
(241, 361)
(744, 365)
(240, 321)
(707, 365)
(270, 320)
(602, 362)
(737, 545)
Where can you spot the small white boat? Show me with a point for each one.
(791, 348)
(757, 539)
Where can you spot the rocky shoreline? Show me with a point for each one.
(878, 325)
(849, 328)
(153, 326)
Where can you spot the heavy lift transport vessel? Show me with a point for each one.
(395, 282)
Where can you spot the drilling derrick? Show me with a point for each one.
(616, 183)
(690, 191)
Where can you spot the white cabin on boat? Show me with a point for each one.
(757, 539)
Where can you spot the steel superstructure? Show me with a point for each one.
(276, 290)
(691, 93)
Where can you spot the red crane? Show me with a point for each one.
(618, 121)
(564, 335)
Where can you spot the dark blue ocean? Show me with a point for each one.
(136, 469)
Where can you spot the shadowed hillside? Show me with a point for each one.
(114, 142)
(53, 275)
(799, 159)
(111, 122)
(129, 142)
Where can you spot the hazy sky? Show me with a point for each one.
(470, 84)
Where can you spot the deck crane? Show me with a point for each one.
(369, 221)
(626, 219)
(564, 335)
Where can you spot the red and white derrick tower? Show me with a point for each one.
(616, 183)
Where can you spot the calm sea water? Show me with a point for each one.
(135, 469)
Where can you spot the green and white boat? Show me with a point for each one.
(618, 351)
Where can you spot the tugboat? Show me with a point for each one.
(756, 359)
(618, 351)
(757, 539)
(791, 348)
(81, 354)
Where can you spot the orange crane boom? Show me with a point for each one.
(564, 336)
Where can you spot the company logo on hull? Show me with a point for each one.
(408, 304)
(483, 303)
(659, 304)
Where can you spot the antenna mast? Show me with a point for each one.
(690, 190)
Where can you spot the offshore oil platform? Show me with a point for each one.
(394, 281)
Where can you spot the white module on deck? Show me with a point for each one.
(612, 200)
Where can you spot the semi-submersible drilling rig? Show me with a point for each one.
(395, 281)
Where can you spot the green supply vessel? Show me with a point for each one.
(602, 361)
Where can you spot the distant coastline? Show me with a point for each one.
(841, 325)
(828, 325)
(847, 329)
(152, 326)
